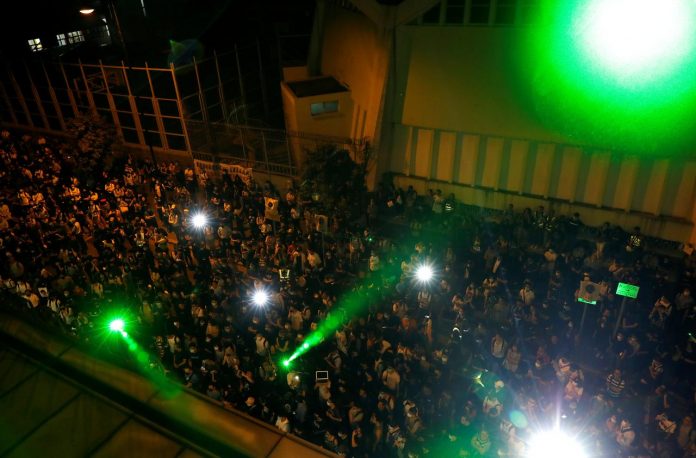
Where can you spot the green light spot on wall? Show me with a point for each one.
(635, 41)
(614, 74)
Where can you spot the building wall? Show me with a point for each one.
(298, 115)
(299, 118)
(460, 120)
(354, 52)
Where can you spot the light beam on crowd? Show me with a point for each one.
(554, 443)
(117, 327)
(199, 220)
(424, 273)
(260, 298)
(350, 305)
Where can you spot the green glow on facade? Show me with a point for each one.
(616, 74)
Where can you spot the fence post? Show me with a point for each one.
(54, 99)
(134, 107)
(69, 90)
(180, 104)
(37, 98)
(221, 89)
(241, 83)
(204, 107)
(90, 98)
(156, 111)
(20, 96)
(110, 99)
(262, 77)
(287, 146)
(3, 92)
(265, 153)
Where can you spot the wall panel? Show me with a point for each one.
(401, 152)
(468, 159)
(411, 151)
(685, 199)
(655, 187)
(547, 170)
(611, 182)
(519, 149)
(570, 167)
(424, 153)
(445, 161)
(596, 178)
(626, 183)
(543, 164)
(492, 163)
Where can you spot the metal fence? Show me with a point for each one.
(210, 110)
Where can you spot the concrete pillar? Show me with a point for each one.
(317, 40)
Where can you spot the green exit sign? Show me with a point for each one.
(627, 290)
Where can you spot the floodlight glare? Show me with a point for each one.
(260, 298)
(549, 444)
(199, 220)
(117, 325)
(86, 11)
(424, 273)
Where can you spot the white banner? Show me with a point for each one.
(214, 170)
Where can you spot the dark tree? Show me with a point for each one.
(335, 182)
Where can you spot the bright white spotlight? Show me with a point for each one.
(424, 273)
(199, 220)
(260, 297)
(554, 443)
(86, 11)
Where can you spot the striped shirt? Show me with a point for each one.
(615, 386)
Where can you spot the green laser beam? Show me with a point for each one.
(350, 305)
(116, 326)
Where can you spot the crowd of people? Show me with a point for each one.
(475, 362)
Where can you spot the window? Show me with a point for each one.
(323, 107)
(455, 11)
(432, 16)
(35, 44)
(480, 11)
(505, 12)
(62, 41)
(76, 37)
